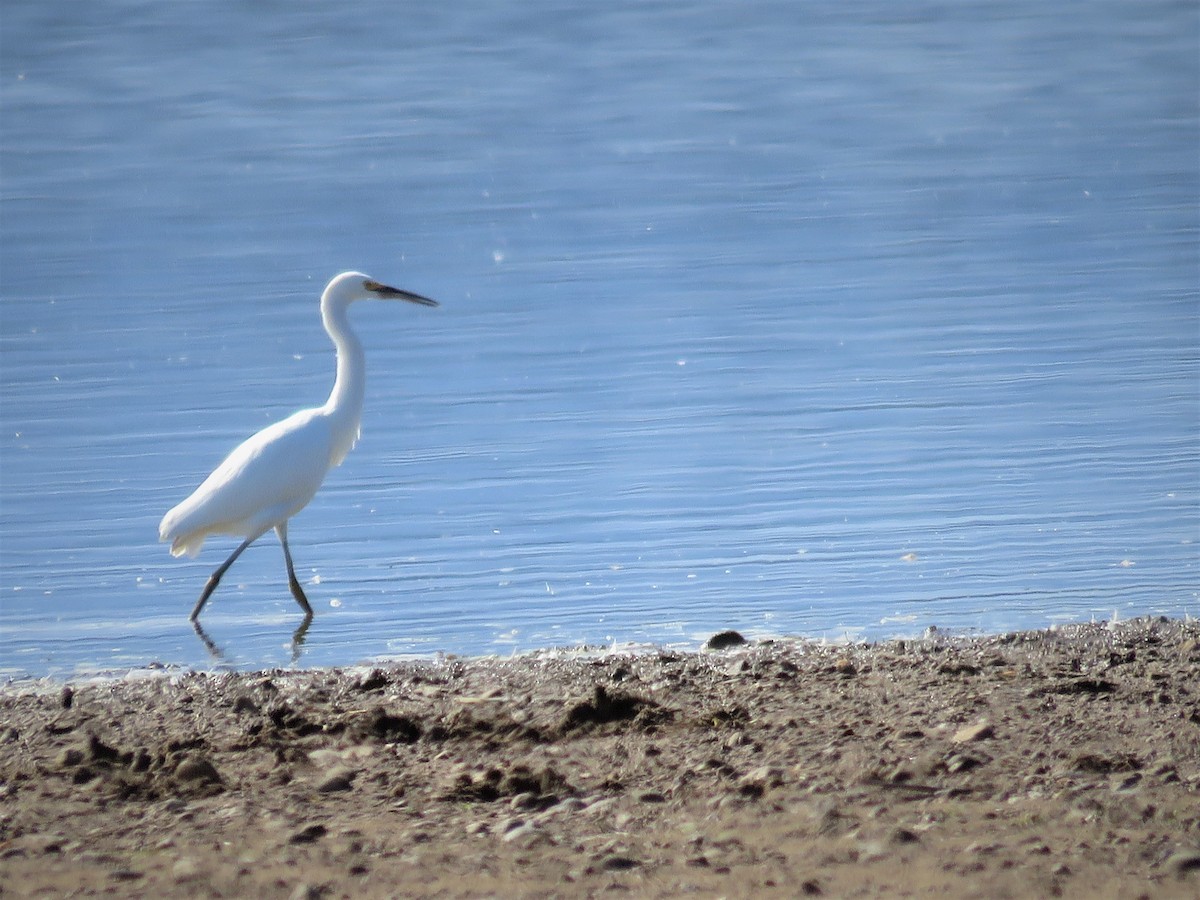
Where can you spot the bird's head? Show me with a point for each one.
(351, 286)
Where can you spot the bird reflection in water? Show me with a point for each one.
(218, 655)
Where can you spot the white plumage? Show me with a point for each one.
(271, 476)
(267, 479)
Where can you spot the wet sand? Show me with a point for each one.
(1057, 763)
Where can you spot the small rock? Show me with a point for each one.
(377, 680)
(764, 776)
(337, 781)
(185, 869)
(830, 821)
(1084, 686)
(1183, 863)
(197, 768)
(962, 762)
(723, 640)
(70, 757)
(524, 800)
(1103, 765)
(525, 835)
(67, 697)
(811, 888)
(617, 863)
(751, 790)
(141, 760)
(903, 835)
(977, 732)
(1166, 774)
(737, 739)
(48, 845)
(601, 805)
(507, 825)
(307, 892)
(100, 751)
(308, 834)
(1125, 784)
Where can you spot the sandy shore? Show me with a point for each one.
(1063, 763)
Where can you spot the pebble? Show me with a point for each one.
(185, 868)
(1126, 784)
(762, 778)
(1183, 863)
(901, 835)
(751, 790)
(977, 732)
(525, 835)
(845, 666)
(308, 834)
(723, 640)
(100, 751)
(507, 825)
(617, 863)
(599, 806)
(962, 762)
(337, 781)
(523, 800)
(197, 768)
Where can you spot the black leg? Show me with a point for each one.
(215, 578)
(209, 644)
(297, 591)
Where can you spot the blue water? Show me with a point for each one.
(800, 319)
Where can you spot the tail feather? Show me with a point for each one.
(171, 528)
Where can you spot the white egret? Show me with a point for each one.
(271, 476)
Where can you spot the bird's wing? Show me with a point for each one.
(267, 478)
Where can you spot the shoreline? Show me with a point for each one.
(1063, 762)
(18, 681)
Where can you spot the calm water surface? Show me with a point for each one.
(792, 319)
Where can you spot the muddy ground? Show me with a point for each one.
(1060, 763)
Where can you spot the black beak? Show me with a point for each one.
(390, 293)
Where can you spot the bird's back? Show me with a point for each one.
(267, 478)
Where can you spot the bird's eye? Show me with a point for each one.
(372, 285)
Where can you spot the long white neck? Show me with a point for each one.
(345, 403)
